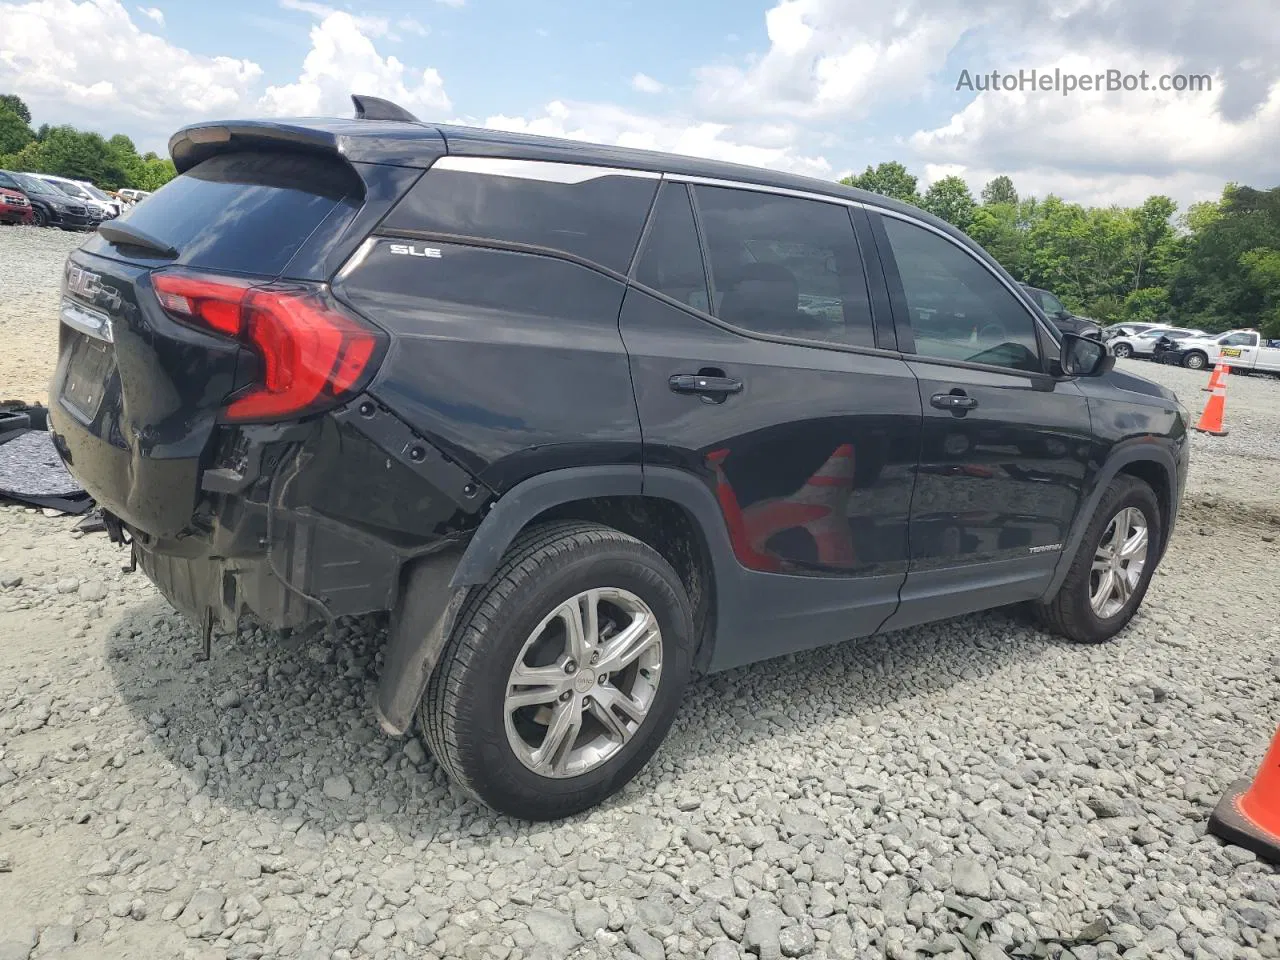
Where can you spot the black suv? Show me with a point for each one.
(50, 207)
(585, 420)
(1060, 316)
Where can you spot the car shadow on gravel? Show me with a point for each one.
(282, 727)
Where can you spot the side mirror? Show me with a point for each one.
(1084, 356)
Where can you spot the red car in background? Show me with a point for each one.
(14, 207)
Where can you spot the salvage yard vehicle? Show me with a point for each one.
(584, 420)
(1241, 350)
(1060, 316)
(99, 209)
(14, 206)
(50, 207)
(1144, 344)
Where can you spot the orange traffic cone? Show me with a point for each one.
(1218, 377)
(1211, 419)
(1249, 815)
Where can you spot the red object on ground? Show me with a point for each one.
(1248, 815)
(15, 207)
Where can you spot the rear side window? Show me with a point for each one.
(589, 212)
(247, 212)
(785, 266)
(672, 261)
(957, 307)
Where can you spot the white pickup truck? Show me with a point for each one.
(1238, 349)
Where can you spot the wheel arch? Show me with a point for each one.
(1144, 458)
(669, 509)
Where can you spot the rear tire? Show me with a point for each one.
(497, 752)
(1074, 612)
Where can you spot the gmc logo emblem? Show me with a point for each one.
(89, 286)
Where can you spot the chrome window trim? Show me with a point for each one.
(764, 188)
(546, 171)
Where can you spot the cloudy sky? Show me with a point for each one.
(820, 87)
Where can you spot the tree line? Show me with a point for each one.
(1215, 267)
(64, 151)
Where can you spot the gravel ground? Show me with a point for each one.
(31, 261)
(823, 805)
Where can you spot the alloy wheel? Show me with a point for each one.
(583, 682)
(1118, 562)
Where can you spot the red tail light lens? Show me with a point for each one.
(313, 354)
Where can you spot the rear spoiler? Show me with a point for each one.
(390, 140)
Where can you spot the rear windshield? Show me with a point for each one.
(246, 212)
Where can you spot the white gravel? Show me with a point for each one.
(822, 806)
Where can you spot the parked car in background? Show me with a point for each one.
(579, 443)
(1126, 330)
(131, 196)
(1060, 316)
(1238, 349)
(14, 206)
(1144, 344)
(98, 209)
(102, 196)
(50, 207)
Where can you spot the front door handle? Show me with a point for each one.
(955, 402)
(705, 385)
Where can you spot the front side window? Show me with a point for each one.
(785, 266)
(1240, 340)
(958, 309)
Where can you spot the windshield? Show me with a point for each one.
(94, 192)
(70, 189)
(35, 185)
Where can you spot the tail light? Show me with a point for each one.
(313, 354)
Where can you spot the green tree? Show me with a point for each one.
(999, 190)
(997, 229)
(12, 103)
(156, 172)
(889, 179)
(950, 199)
(1153, 242)
(1223, 279)
(15, 133)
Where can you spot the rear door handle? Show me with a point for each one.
(706, 385)
(955, 402)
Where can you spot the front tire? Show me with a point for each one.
(563, 673)
(1196, 361)
(1122, 350)
(38, 217)
(1111, 571)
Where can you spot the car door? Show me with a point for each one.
(758, 369)
(1005, 444)
(1240, 350)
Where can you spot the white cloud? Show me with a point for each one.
(342, 61)
(90, 64)
(452, 3)
(610, 124)
(372, 26)
(410, 25)
(153, 13)
(831, 57)
(1110, 147)
(646, 84)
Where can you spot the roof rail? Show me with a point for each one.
(375, 108)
